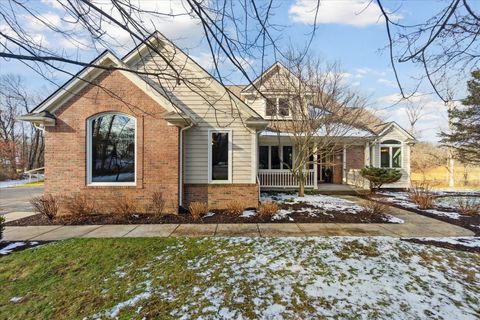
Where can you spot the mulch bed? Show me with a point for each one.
(445, 245)
(463, 221)
(28, 245)
(219, 217)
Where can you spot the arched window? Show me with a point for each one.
(391, 154)
(111, 149)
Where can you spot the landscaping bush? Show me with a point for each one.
(422, 196)
(80, 205)
(46, 205)
(235, 207)
(198, 209)
(157, 203)
(380, 176)
(268, 209)
(468, 207)
(124, 207)
(375, 208)
(2, 226)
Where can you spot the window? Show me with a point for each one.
(283, 108)
(277, 106)
(270, 158)
(263, 157)
(391, 154)
(220, 157)
(271, 108)
(275, 157)
(111, 150)
(287, 157)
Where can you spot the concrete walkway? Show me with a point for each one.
(415, 226)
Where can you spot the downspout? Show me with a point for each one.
(180, 180)
(257, 136)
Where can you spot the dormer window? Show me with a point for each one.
(277, 107)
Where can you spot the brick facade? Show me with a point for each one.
(355, 157)
(218, 195)
(156, 143)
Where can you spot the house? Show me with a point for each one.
(112, 133)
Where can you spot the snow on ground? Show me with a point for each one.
(13, 183)
(295, 278)
(327, 203)
(323, 202)
(248, 214)
(402, 199)
(10, 247)
(471, 242)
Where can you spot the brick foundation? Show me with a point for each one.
(157, 146)
(218, 195)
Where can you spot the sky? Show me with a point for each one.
(349, 33)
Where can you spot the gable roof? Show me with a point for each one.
(105, 61)
(277, 66)
(394, 125)
(131, 57)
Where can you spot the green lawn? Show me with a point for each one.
(267, 278)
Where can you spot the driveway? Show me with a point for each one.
(17, 198)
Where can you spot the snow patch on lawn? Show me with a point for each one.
(16, 299)
(323, 277)
(10, 247)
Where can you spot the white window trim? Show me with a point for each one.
(230, 156)
(277, 109)
(270, 156)
(89, 153)
(390, 154)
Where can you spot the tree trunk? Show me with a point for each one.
(301, 187)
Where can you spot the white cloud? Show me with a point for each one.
(358, 13)
(387, 82)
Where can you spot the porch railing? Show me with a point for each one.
(283, 179)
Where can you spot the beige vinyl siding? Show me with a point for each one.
(212, 110)
(258, 104)
(395, 134)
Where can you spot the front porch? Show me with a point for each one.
(284, 180)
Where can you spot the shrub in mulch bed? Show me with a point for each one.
(302, 213)
(470, 222)
(443, 244)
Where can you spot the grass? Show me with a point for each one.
(168, 278)
(437, 176)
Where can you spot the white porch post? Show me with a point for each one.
(344, 162)
(315, 168)
(367, 154)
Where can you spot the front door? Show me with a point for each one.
(325, 168)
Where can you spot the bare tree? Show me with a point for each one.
(314, 108)
(414, 112)
(235, 32)
(444, 45)
(21, 143)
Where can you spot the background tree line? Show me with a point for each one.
(21, 144)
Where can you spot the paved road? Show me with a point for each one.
(16, 199)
